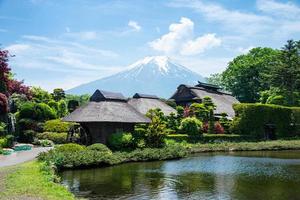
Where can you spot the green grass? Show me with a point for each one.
(245, 146)
(29, 181)
(210, 138)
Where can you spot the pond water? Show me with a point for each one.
(239, 175)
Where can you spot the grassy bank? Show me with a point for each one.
(32, 181)
(245, 146)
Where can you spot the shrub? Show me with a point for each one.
(121, 141)
(37, 111)
(62, 108)
(29, 135)
(70, 147)
(205, 127)
(9, 140)
(3, 104)
(57, 138)
(191, 126)
(28, 124)
(99, 147)
(154, 133)
(56, 125)
(251, 118)
(89, 158)
(46, 143)
(218, 129)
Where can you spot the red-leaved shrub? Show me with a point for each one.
(205, 127)
(218, 129)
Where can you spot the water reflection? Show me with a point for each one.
(250, 175)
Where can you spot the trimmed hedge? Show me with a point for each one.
(251, 119)
(56, 125)
(211, 138)
(57, 138)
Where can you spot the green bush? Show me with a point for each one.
(36, 111)
(70, 147)
(90, 158)
(46, 143)
(99, 147)
(7, 141)
(57, 138)
(56, 125)
(154, 133)
(121, 141)
(251, 119)
(191, 126)
(29, 135)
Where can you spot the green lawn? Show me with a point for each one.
(28, 181)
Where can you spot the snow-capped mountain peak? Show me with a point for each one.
(161, 62)
(158, 75)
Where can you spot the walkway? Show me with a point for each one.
(21, 156)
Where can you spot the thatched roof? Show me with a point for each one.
(101, 95)
(223, 101)
(106, 107)
(143, 103)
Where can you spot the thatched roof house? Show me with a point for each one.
(186, 95)
(144, 102)
(105, 114)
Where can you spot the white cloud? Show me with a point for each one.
(200, 44)
(82, 35)
(234, 20)
(287, 10)
(134, 25)
(18, 48)
(180, 39)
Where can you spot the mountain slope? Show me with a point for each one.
(152, 75)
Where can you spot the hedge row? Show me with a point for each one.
(251, 119)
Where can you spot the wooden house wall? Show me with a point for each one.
(99, 132)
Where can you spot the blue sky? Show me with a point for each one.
(66, 43)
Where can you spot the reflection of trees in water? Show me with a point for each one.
(265, 187)
(115, 181)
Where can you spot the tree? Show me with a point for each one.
(4, 71)
(58, 94)
(154, 133)
(286, 75)
(248, 74)
(39, 95)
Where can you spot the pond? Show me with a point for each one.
(239, 175)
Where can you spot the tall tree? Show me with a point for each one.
(247, 74)
(58, 94)
(286, 75)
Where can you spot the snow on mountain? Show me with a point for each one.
(157, 75)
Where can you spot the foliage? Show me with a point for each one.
(154, 133)
(58, 94)
(18, 87)
(251, 119)
(39, 95)
(3, 104)
(62, 108)
(225, 122)
(173, 122)
(180, 112)
(200, 111)
(29, 135)
(56, 125)
(37, 111)
(121, 141)
(70, 147)
(72, 105)
(191, 126)
(218, 129)
(7, 141)
(4, 71)
(99, 147)
(89, 158)
(17, 101)
(246, 75)
(46, 143)
(57, 138)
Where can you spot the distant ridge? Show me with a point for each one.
(157, 75)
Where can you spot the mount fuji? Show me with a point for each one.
(157, 75)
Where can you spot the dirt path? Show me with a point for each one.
(21, 156)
